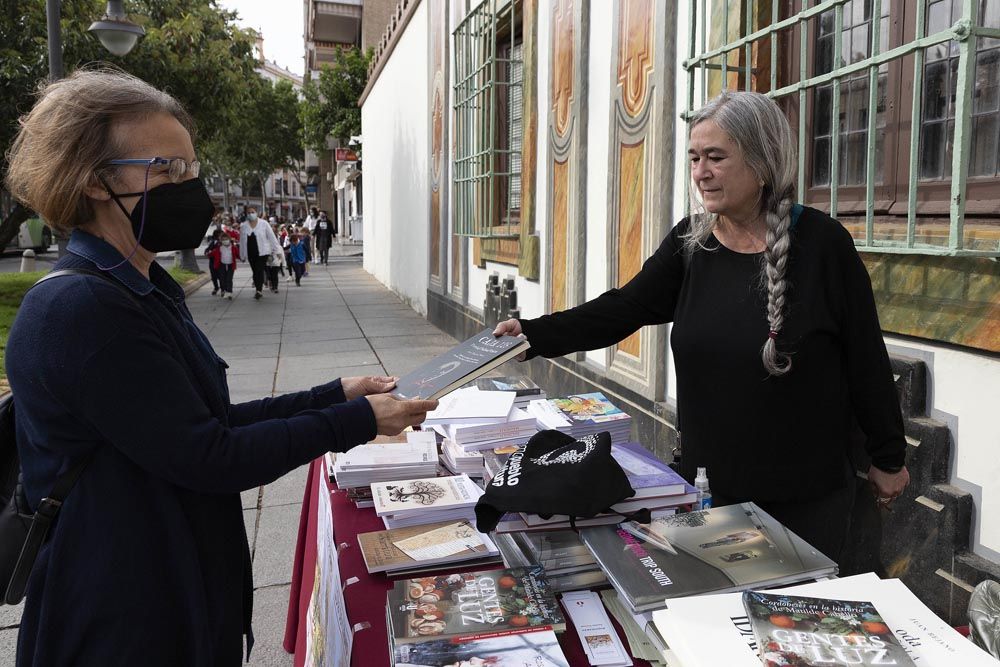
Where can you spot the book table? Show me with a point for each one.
(365, 599)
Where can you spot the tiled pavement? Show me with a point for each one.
(340, 322)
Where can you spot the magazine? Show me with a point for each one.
(471, 603)
(814, 632)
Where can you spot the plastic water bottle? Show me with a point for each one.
(704, 493)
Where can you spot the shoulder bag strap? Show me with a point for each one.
(49, 506)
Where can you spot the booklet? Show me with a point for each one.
(461, 364)
(598, 637)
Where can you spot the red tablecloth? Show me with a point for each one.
(365, 600)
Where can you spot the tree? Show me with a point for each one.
(330, 104)
(192, 49)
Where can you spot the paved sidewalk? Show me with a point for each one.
(340, 322)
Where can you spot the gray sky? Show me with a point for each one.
(281, 23)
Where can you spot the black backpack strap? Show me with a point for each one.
(48, 508)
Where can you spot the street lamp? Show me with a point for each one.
(116, 32)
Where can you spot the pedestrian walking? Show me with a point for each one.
(213, 263)
(306, 240)
(286, 243)
(228, 253)
(324, 237)
(274, 262)
(298, 253)
(310, 225)
(257, 243)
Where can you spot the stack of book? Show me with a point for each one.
(420, 548)
(460, 461)
(410, 457)
(549, 417)
(568, 564)
(494, 460)
(593, 413)
(421, 501)
(524, 388)
(723, 549)
(476, 420)
(658, 488)
(505, 618)
(859, 620)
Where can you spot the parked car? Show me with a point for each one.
(34, 234)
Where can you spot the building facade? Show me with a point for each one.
(544, 141)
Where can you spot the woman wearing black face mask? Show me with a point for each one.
(147, 562)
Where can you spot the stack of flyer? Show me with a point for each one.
(593, 413)
(524, 388)
(421, 548)
(724, 549)
(387, 461)
(421, 501)
(859, 620)
(476, 420)
(658, 488)
(506, 618)
(460, 461)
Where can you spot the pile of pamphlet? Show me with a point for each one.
(593, 413)
(421, 501)
(477, 420)
(412, 456)
(460, 461)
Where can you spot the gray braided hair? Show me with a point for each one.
(758, 127)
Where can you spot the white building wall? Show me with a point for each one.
(394, 122)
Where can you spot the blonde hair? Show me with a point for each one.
(66, 139)
(755, 123)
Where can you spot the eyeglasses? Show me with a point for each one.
(178, 169)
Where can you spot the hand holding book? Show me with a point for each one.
(511, 327)
(393, 415)
(355, 387)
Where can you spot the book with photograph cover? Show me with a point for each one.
(472, 603)
(722, 549)
(528, 649)
(813, 632)
(459, 365)
(422, 546)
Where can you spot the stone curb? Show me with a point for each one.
(196, 284)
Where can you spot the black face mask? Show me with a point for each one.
(177, 215)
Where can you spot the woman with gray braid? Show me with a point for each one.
(776, 340)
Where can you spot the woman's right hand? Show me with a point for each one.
(393, 415)
(511, 327)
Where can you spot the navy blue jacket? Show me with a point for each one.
(148, 562)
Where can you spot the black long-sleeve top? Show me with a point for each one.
(762, 438)
(147, 563)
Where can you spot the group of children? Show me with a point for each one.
(223, 251)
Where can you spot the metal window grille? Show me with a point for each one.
(956, 64)
(488, 121)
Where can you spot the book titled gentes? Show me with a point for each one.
(459, 365)
(473, 604)
(809, 632)
(535, 649)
